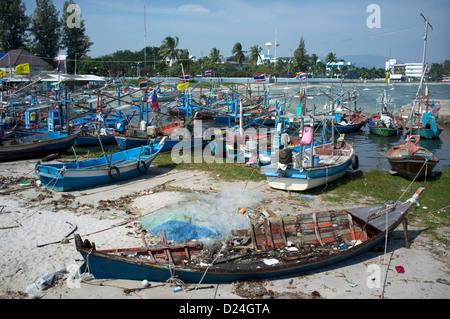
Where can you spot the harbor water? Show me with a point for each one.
(371, 149)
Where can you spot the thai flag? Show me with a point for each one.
(185, 78)
(260, 78)
(302, 75)
(58, 68)
(208, 73)
(153, 100)
(143, 84)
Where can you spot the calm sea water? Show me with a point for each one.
(371, 148)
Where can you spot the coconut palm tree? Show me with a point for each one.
(215, 56)
(255, 54)
(168, 50)
(238, 53)
(331, 57)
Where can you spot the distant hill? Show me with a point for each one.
(367, 60)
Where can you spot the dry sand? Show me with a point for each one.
(33, 215)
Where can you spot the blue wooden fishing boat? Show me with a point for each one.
(36, 145)
(329, 162)
(266, 250)
(103, 170)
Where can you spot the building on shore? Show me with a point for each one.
(13, 58)
(404, 72)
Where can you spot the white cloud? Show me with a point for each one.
(194, 8)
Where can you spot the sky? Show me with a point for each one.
(326, 26)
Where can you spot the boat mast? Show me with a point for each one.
(145, 33)
(425, 38)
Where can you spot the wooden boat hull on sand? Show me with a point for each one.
(270, 256)
(104, 170)
(417, 165)
(332, 165)
(36, 146)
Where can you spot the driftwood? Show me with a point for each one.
(74, 228)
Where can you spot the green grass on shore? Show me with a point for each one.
(371, 187)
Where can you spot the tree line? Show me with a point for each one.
(439, 70)
(43, 33)
(170, 61)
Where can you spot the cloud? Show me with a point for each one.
(193, 8)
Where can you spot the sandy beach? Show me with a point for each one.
(31, 216)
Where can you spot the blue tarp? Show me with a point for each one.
(180, 231)
(428, 118)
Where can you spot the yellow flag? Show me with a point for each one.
(23, 68)
(183, 86)
(387, 78)
(2, 74)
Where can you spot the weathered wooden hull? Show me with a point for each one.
(418, 165)
(37, 146)
(366, 227)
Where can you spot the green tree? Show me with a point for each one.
(13, 24)
(74, 39)
(331, 57)
(446, 67)
(183, 57)
(321, 69)
(168, 50)
(301, 58)
(238, 53)
(255, 54)
(46, 31)
(436, 72)
(343, 70)
(215, 56)
(313, 63)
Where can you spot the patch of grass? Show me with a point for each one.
(381, 187)
(226, 171)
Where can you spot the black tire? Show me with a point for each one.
(142, 169)
(111, 174)
(355, 162)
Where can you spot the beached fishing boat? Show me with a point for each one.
(103, 170)
(276, 247)
(329, 162)
(36, 145)
(174, 137)
(410, 160)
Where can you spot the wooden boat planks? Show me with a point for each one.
(323, 229)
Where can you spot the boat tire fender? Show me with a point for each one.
(142, 168)
(355, 162)
(115, 175)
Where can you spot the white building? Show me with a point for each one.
(339, 64)
(409, 70)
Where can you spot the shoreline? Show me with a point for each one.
(34, 215)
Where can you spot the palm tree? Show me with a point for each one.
(215, 56)
(255, 54)
(183, 56)
(168, 49)
(331, 57)
(238, 53)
